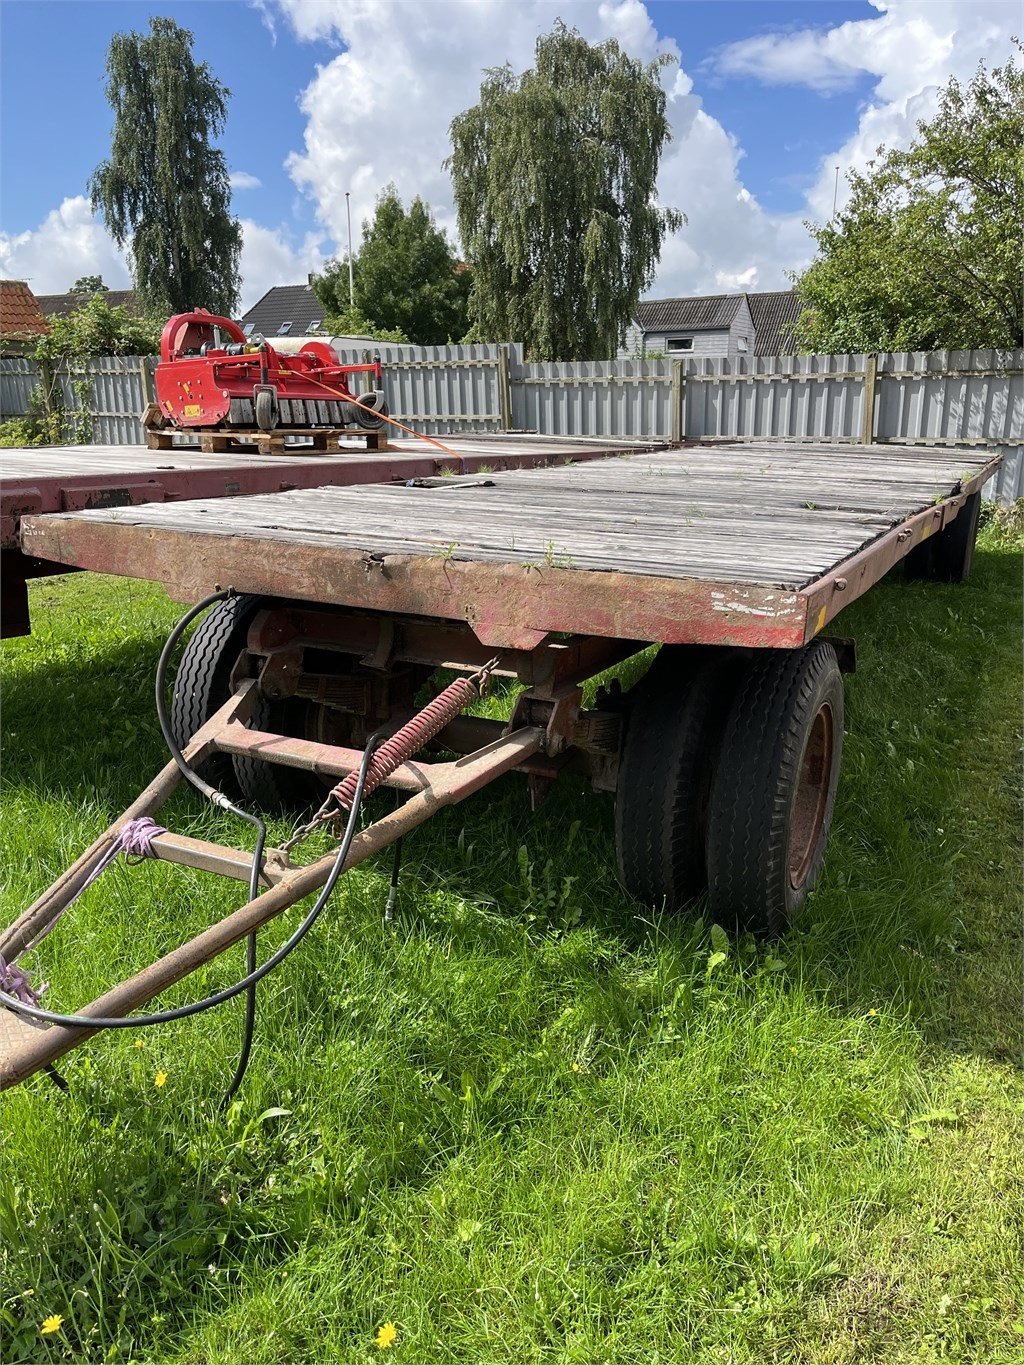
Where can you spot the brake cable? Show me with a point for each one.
(254, 975)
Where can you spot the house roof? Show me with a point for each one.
(61, 305)
(773, 313)
(706, 313)
(774, 316)
(294, 303)
(19, 311)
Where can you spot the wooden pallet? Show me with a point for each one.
(323, 440)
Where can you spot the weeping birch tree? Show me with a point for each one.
(164, 192)
(554, 175)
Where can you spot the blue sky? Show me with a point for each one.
(335, 94)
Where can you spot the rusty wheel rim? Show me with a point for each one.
(812, 792)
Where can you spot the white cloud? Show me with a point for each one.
(732, 281)
(371, 121)
(377, 113)
(71, 242)
(435, 65)
(269, 258)
(242, 180)
(67, 244)
(910, 49)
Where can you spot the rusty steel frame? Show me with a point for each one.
(381, 641)
(506, 606)
(26, 1047)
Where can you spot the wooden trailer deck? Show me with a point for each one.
(35, 480)
(752, 544)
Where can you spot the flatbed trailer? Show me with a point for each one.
(40, 479)
(338, 606)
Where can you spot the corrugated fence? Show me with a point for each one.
(952, 398)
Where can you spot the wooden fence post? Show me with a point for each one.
(867, 431)
(504, 389)
(148, 396)
(46, 383)
(677, 423)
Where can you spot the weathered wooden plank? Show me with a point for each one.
(729, 531)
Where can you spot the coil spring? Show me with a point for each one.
(410, 738)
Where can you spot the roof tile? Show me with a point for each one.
(19, 312)
(707, 313)
(294, 303)
(61, 305)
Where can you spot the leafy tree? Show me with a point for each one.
(927, 253)
(94, 329)
(407, 277)
(554, 177)
(165, 186)
(88, 284)
(353, 323)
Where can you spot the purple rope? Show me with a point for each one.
(15, 981)
(133, 839)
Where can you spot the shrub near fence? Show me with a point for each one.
(939, 397)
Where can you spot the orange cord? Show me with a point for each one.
(350, 398)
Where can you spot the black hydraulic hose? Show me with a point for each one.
(255, 974)
(249, 1021)
(229, 992)
(248, 1024)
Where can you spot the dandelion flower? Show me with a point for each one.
(872, 1014)
(385, 1336)
(51, 1324)
(575, 1066)
(160, 1079)
(140, 1042)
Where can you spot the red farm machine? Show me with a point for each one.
(211, 378)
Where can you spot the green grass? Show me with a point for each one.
(529, 1122)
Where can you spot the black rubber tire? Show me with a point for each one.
(272, 786)
(753, 827)
(672, 734)
(949, 556)
(204, 675)
(370, 421)
(266, 410)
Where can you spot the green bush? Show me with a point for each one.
(32, 429)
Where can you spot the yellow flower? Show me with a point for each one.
(51, 1324)
(385, 1336)
(160, 1079)
(575, 1066)
(140, 1042)
(872, 1014)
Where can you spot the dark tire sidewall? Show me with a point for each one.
(828, 690)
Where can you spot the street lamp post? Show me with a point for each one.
(351, 286)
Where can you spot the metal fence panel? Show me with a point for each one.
(594, 398)
(117, 399)
(18, 380)
(797, 397)
(1008, 484)
(970, 397)
(948, 397)
(442, 390)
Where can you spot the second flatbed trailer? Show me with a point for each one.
(724, 758)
